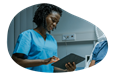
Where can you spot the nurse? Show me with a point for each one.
(35, 49)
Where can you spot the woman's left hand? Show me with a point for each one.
(70, 67)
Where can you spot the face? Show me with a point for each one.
(52, 19)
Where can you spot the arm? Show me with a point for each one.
(92, 63)
(25, 62)
(18, 58)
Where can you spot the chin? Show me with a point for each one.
(49, 32)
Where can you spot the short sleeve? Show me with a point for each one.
(96, 49)
(99, 47)
(23, 44)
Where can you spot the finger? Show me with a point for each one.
(71, 66)
(51, 60)
(66, 65)
(68, 68)
(53, 57)
(56, 58)
(74, 64)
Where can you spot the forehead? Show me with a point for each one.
(54, 14)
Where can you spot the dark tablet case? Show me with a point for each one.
(69, 58)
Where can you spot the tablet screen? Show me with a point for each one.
(69, 58)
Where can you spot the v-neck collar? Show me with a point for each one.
(41, 35)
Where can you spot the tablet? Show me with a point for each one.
(69, 58)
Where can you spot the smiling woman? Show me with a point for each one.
(45, 12)
(52, 19)
(35, 49)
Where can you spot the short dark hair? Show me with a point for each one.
(43, 10)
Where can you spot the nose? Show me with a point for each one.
(54, 24)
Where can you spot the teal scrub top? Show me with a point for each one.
(34, 46)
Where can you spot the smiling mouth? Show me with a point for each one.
(51, 28)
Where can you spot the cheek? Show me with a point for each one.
(48, 22)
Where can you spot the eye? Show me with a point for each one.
(53, 20)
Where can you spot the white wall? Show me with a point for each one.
(91, 10)
(98, 18)
(109, 31)
(96, 10)
(29, 14)
(70, 24)
(83, 47)
(21, 22)
(10, 39)
(24, 21)
(17, 27)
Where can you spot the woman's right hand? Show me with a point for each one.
(51, 60)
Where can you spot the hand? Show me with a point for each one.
(51, 60)
(70, 67)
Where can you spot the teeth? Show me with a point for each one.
(51, 28)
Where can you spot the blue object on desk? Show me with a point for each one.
(106, 55)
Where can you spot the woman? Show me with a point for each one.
(35, 49)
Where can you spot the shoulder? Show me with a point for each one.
(26, 34)
(100, 44)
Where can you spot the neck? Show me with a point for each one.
(41, 31)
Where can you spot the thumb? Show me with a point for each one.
(58, 59)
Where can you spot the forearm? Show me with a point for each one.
(92, 64)
(28, 63)
(31, 63)
(59, 70)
